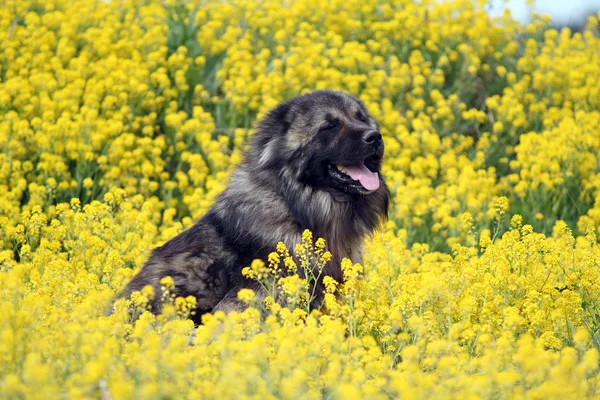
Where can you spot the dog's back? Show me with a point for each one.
(205, 261)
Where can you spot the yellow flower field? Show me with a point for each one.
(121, 120)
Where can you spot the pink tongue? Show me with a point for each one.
(369, 180)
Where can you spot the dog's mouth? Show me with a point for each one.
(357, 176)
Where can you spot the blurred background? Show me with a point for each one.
(571, 13)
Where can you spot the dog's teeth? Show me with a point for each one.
(341, 168)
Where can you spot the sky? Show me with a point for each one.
(562, 12)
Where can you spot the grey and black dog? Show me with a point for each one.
(313, 163)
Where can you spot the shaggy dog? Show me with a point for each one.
(313, 163)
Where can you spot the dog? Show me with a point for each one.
(313, 163)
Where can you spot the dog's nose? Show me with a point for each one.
(372, 137)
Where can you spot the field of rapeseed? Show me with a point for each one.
(121, 120)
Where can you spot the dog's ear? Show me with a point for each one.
(278, 120)
(268, 142)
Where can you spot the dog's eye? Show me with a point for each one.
(362, 117)
(330, 124)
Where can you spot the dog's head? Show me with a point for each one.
(327, 139)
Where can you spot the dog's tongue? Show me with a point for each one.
(369, 180)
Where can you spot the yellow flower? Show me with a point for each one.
(167, 282)
(246, 295)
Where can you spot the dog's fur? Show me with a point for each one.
(283, 186)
